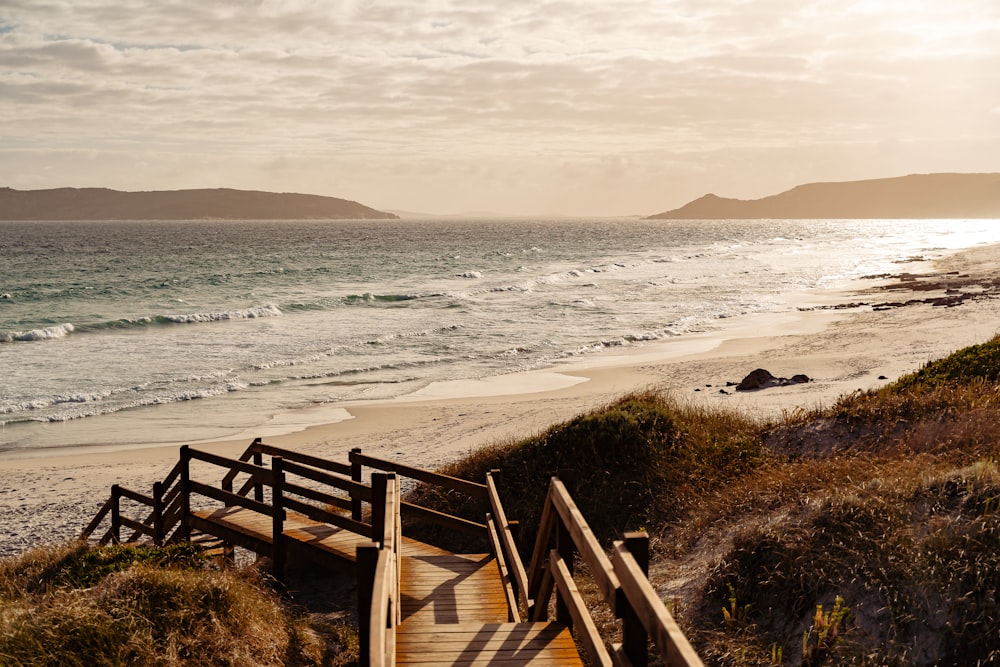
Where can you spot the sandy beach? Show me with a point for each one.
(51, 496)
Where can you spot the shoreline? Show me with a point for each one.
(49, 496)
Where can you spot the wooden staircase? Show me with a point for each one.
(419, 604)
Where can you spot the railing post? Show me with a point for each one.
(116, 517)
(367, 561)
(258, 488)
(635, 639)
(379, 483)
(185, 527)
(278, 518)
(158, 513)
(356, 475)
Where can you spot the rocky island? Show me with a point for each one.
(906, 197)
(200, 204)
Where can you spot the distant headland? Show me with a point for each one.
(204, 204)
(914, 196)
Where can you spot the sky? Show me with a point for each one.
(574, 107)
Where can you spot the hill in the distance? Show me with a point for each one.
(914, 196)
(204, 204)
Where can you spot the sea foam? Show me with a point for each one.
(48, 333)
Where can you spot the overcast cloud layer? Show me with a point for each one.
(577, 107)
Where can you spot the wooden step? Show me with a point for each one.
(496, 644)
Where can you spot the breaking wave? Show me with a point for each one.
(63, 330)
(48, 333)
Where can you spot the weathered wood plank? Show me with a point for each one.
(586, 630)
(452, 588)
(586, 542)
(474, 489)
(661, 626)
(485, 644)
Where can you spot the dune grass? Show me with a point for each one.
(142, 605)
(867, 533)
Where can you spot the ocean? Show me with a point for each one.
(125, 333)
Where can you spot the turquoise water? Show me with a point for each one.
(123, 332)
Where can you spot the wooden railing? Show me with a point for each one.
(473, 489)
(163, 517)
(325, 491)
(621, 580)
(279, 485)
(378, 571)
(503, 539)
(164, 506)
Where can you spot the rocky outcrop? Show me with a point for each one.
(763, 379)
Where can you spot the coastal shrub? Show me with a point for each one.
(77, 605)
(634, 463)
(77, 565)
(915, 558)
(965, 379)
(976, 363)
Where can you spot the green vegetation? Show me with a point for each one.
(867, 533)
(77, 605)
(634, 463)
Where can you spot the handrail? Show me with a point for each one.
(266, 475)
(447, 520)
(152, 526)
(622, 582)
(98, 518)
(650, 611)
(578, 611)
(136, 496)
(513, 613)
(355, 489)
(258, 447)
(348, 477)
(474, 489)
(298, 457)
(378, 576)
(507, 550)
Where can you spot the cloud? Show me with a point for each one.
(622, 93)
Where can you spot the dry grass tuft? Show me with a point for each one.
(76, 605)
(636, 462)
(889, 502)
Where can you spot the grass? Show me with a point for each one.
(867, 533)
(78, 605)
(635, 462)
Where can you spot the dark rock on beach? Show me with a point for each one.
(763, 379)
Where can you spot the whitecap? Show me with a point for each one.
(48, 333)
(245, 314)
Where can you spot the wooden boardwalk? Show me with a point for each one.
(419, 605)
(455, 612)
(454, 607)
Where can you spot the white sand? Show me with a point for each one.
(45, 498)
